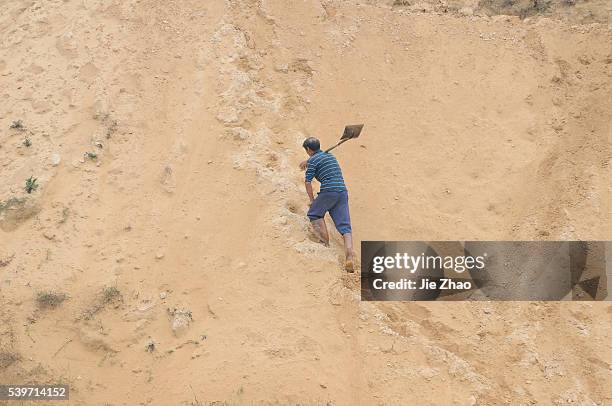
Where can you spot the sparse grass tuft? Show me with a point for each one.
(110, 294)
(110, 123)
(50, 300)
(5, 261)
(27, 142)
(17, 125)
(8, 358)
(31, 184)
(111, 127)
(91, 155)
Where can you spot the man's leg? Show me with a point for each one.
(348, 251)
(342, 219)
(320, 230)
(316, 214)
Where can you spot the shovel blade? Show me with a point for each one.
(351, 131)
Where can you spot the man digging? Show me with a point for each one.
(332, 197)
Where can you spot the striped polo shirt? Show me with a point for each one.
(324, 167)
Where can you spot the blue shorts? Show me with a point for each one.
(336, 203)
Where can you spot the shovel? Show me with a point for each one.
(350, 132)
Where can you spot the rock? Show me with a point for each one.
(159, 255)
(180, 321)
(428, 373)
(466, 11)
(240, 134)
(228, 115)
(163, 295)
(55, 159)
(282, 68)
(144, 311)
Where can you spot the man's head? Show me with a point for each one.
(311, 145)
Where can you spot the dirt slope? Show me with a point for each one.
(182, 249)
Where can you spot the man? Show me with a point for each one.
(332, 197)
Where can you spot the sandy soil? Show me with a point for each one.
(172, 265)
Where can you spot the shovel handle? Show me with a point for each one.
(340, 142)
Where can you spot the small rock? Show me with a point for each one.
(240, 134)
(163, 295)
(466, 11)
(159, 255)
(180, 322)
(282, 68)
(55, 159)
(428, 373)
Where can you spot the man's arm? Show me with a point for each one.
(311, 169)
(309, 190)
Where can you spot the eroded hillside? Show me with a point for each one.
(164, 257)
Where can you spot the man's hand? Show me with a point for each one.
(309, 192)
(303, 165)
